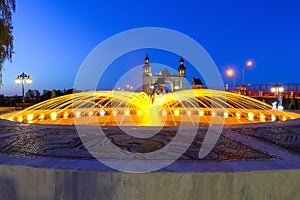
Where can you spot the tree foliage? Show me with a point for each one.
(7, 8)
(35, 96)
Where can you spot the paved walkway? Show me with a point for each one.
(54, 146)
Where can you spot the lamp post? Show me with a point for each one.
(277, 90)
(231, 73)
(249, 63)
(21, 79)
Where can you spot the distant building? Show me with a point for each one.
(157, 83)
(197, 83)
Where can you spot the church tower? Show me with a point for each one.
(147, 76)
(182, 75)
(146, 67)
(181, 68)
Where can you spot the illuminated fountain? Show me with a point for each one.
(186, 107)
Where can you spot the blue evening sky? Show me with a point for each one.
(53, 37)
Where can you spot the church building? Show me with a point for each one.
(156, 83)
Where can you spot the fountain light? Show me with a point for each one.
(139, 113)
(284, 118)
(185, 103)
(30, 117)
(262, 116)
(20, 119)
(251, 116)
(102, 113)
(77, 114)
(53, 116)
(42, 116)
(201, 113)
(226, 115)
(189, 113)
(213, 113)
(66, 115)
(176, 112)
(90, 113)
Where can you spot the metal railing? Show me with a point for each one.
(265, 89)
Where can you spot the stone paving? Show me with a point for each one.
(285, 137)
(238, 144)
(54, 141)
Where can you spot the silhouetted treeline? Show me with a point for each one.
(35, 96)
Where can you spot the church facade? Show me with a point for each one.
(156, 83)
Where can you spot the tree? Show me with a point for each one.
(33, 96)
(7, 7)
(292, 105)
(46, 95)
(30, 94)
(37, 93)
(285, 103)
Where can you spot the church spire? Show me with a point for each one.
(181, 68)
(146, 59)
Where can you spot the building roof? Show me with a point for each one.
(196, 81)
(147, 58)
(160, 81)
(165, 72)
(181, 59)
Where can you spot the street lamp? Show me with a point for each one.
(249, 63)
(129, 87)
(21, 79)
(278, 89)
(231, 73)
